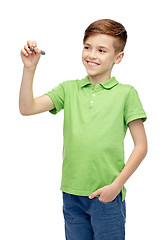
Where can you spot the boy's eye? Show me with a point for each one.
(85, 47)
(101, 50)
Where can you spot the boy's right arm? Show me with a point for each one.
(27, 104)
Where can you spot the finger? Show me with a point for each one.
(37, 50)
(23, 52)
(29, 43)
(94, 194)
(27, 49)
(34, 43)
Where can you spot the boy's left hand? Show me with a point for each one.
(107, 193)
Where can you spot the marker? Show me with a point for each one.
(32, 49)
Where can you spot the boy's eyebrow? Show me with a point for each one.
(98, 46)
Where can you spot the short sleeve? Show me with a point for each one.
(133, 107)
(57, 95)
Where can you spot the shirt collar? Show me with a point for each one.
(107, 84)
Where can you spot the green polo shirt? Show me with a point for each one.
(95, 123)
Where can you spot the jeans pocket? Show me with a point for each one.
(108, 207)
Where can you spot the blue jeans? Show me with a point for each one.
(91, 219)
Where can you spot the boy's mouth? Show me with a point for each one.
(92, 64)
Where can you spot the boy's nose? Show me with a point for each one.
(92, 55)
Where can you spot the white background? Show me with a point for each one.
(31, 147)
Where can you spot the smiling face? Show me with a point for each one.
(99, 56)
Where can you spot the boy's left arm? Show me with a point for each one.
(108, 193)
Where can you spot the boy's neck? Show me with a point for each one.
(98, 79)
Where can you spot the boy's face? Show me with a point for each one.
(99, 56)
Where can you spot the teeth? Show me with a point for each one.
(92, 64)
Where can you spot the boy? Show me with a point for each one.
(97, 112)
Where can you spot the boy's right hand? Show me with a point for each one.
(30, 58)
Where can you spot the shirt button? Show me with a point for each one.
(91, 101)
(93, 95)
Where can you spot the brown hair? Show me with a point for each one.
(109, 27)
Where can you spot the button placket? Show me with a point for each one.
(92, 101)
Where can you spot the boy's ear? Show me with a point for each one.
(119, 57)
